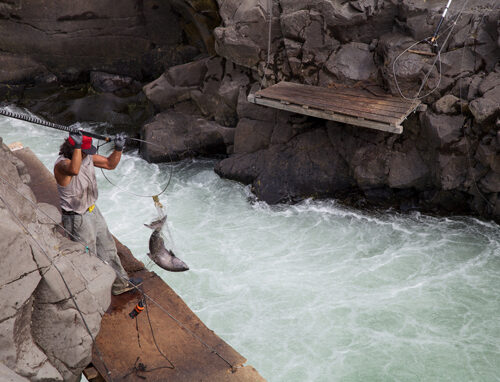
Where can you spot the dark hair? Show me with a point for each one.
(66, 149)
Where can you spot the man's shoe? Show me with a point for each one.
(133, 283)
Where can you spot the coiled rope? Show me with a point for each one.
(431, 39)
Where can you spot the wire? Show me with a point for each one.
(141, 195)
(438, 58)
(52, 262)
(180, 324)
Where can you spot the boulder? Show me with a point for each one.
(352, 61)
(407, 170)
(239, 49)
(164, 95)
(114, 83)
(19, 68)
(440, 130)
(177, 136)
(369, 167)
(486, 108)
(250, 110)
(190, 74)
(251, 136)
(307, 166)
(452, 171)
(449, 104)
(490, 182)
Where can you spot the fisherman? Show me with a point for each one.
(77, 186)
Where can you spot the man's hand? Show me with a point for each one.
(77, 138)
(120, 140)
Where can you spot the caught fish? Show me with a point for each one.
(159, 254)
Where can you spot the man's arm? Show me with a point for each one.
(108, 163)
(66, 169)
(112, 161)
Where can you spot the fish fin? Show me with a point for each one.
(157, 224)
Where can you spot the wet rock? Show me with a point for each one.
(407, 170)
(491, 182)
(305, 167)
(250, 110)
(353, 61)
(182, 136)
(251, 136)
(452, 171)
(369, 167)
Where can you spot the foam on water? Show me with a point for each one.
(314, 291)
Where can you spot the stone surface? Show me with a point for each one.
(181, 136)
(42, 337)
(441, 130)
(449, 104)
(353, 61)
(487, 107)
(407, 170)
(251, 136)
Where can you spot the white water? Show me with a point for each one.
(315, 291)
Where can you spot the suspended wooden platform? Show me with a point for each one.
(356, 105)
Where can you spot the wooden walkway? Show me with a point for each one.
(357, 106)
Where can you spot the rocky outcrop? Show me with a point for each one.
(42, 336)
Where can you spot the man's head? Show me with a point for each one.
(68, 147)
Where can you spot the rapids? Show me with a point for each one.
(314, 291)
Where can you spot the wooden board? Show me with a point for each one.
(180, 334)
(353, 105)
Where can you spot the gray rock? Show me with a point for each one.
(441, 130)
(164, 95)
(449, 104)
(182, 136)
(353, 61)
(250, 110)
(407, 170)
(452, 171)
(491, 81)
(110, 83)
(458, 62)
(188, 75)
(8, 375)
(490, 182)
(19, 68)
(369, 167)
(251, 136)
(486, 108)
(234, 47)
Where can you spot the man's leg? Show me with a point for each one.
(81, 230)
(106, 250)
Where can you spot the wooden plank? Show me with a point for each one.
(397, 129)
(334, 106)
(196, 352)
(360, 92)
(343, 101)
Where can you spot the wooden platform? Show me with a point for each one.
(357, 106)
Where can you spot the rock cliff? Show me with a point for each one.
(447, 158)
(42, 336)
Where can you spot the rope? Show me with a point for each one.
(180, 324)
(438, 58)
(269, 38)
(472, 33)
(52, 262)
(141, 195)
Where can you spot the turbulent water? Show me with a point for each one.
(314, 291)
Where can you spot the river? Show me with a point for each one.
(314, 291)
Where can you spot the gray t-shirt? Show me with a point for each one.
(81, 192)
